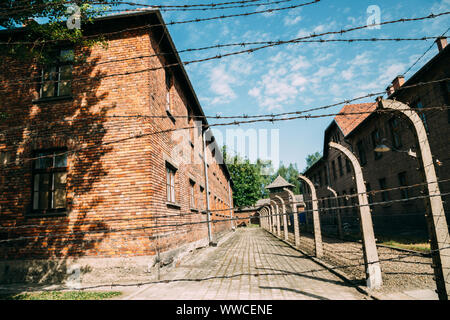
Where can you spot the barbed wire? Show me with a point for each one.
(245, 14)
(272, 115)
(168, 8)
(18, 9)
(272, 120)
(267, 44)
(197, 212)
(424, 54)
(213, 221)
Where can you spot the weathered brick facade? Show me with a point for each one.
(116, 201)
(391, 169)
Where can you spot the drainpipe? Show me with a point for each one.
(230, 204)
(205, 164)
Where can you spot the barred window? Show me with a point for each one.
(49, 180)
(170, 183)
(192, 194)
(361, 153)
(57, 77)
(402, 182)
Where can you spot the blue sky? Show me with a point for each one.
(306, 75)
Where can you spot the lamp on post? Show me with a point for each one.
(384, 147)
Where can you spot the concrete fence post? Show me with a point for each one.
(295, 212)
(316, 219)
(437, 222)
(372, 263)
(285, 224)
(338, 213)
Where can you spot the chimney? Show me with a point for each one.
(390, 90)
(441, 43)
(398, 82)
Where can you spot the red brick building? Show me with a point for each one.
(361, 133)
(88, 167)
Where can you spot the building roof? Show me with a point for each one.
(279, 182)
(348, 122)
(262, 202)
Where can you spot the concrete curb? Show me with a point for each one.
(330, 268)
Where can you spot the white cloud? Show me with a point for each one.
(290, 21)
(220, 82)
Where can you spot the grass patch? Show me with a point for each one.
(250, 225)
(423, 247)
(61, 295)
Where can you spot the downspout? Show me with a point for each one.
(205, 164)
(230, 204)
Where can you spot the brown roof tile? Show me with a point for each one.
(347, 123)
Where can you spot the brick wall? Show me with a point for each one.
(115, 181)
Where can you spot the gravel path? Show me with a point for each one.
(401, 270)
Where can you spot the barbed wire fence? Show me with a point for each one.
(72, 236)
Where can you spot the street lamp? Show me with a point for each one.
(383, 147)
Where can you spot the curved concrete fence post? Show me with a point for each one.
(262, 218)
(338, 213)
(274, 218)
(268, 219)
(285, 224)
(316, 220)
(277, 217)
(437, 223)
(372, 263)
(295, 211)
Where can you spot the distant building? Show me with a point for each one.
(361, 133)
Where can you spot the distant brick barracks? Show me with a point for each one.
(95, 170)
(362, 133)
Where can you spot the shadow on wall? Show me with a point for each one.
(39, 127)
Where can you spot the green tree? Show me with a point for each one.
(45, 26)
(312, 158)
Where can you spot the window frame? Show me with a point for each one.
(57, 64)
(394, 127)
(403, 182)
(51, 171)
(170, 183)
(361, 152)
(376, 139)
(384, 194)
(192, 200)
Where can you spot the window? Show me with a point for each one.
(353, 199)
(422, 115)
(333, 167)
(384, 194)
(192, 194)
(203, 197)
(361, 153)
(395, 132)
(375, 142)
(344, 200)
(170, 183)
(347, 166)
(57, 78)
(49, 181)
(169, 84)
(369, 193)
(402, 182)
(341, 170)
(446, 93)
